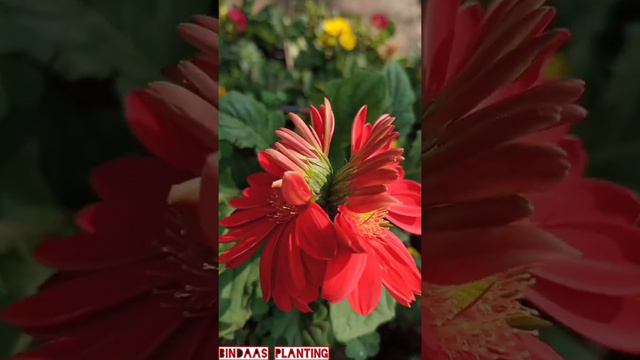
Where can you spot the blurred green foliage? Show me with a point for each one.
(64, 69)
(605, 51)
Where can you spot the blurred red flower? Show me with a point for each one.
(379, 21)
(484, 100)
(239, 19)
(137, 280)
(597, 294)
(501, 204)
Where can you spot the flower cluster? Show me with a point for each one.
(324, 230)
(337, 31)
(283, 60)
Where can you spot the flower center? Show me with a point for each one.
(482, 319)
(372, 224)
(196, 280)
(281, 211)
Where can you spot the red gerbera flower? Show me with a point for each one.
(372, 189)
(288, 208)
(141, 277)
(280, 209)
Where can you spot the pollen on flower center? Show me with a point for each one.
(483, 319)
(373, 223)
(281, 211)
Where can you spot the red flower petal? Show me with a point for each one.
(343, 274)
(248, 246)
(78, 298)
(464, 256)
(597, 277)
(295, 189)
(365, 297)
(315, 232)
(135, 180)
(609, 321)
(163, 137)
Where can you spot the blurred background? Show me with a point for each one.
(604, 51)
(65, 66)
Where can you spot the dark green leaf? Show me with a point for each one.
(247, 123)
(413, 159)
(363, 347)
(402, 97)
(96, 38)
(569, 345)
(287, 326)
(237, 287)
(347, 96)
(27, 216)
(348, 325)
(621, 98)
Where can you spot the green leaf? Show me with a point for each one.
(95, 38)
(236, 289)
(27, 215)
(569, 345)
(402, 97)
(287, 326)
(21, 87)
(247, 123)
(413, 159)
(347, 96)
(363, 347)
(227, 187)
(23, 82)
(587, 20)
(621, 100)
(348, 325)
(317, 333)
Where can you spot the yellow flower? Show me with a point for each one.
(338, 31)
(328, 41)
(336, 26)
(222, 91)
(348, 41)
